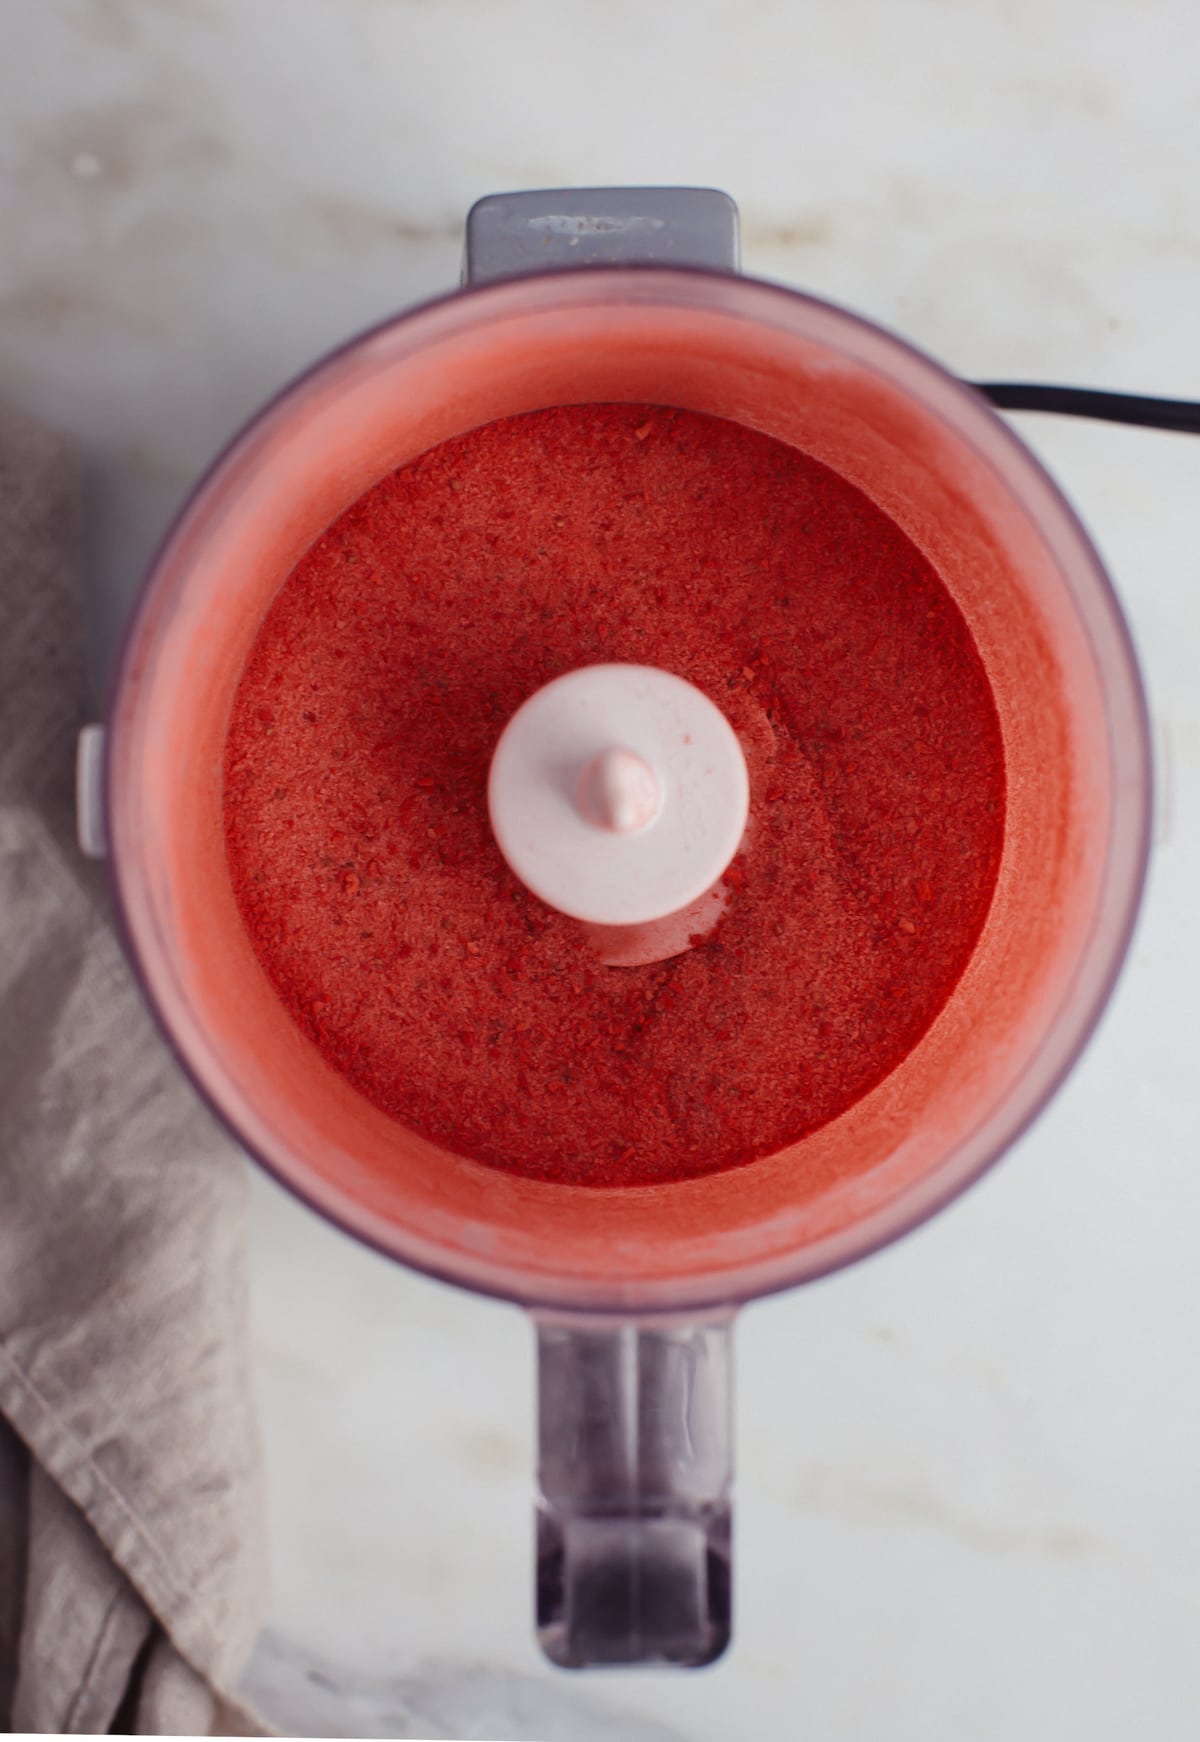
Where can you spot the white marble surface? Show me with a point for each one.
(968, 1498)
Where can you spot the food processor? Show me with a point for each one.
(635, 296)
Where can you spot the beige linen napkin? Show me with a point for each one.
(131, 1516)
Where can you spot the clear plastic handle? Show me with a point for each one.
(635, 1468)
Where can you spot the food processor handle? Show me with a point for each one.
(549, 229)
(635, 1465)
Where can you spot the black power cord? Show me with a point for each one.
(1139, 408)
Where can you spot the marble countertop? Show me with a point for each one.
(967, 1488)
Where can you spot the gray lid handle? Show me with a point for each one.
(549, 229)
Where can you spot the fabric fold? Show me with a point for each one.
(132, 1562)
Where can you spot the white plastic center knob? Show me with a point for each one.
(618, 791)
(618, 794)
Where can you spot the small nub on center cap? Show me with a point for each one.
(618, 791)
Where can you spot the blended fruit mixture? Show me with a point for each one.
(357, 764)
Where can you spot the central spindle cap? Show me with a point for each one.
(618, 794)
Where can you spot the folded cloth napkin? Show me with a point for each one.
(131, 1510)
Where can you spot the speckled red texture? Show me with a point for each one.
(357, 763)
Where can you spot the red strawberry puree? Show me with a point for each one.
(357, 763)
